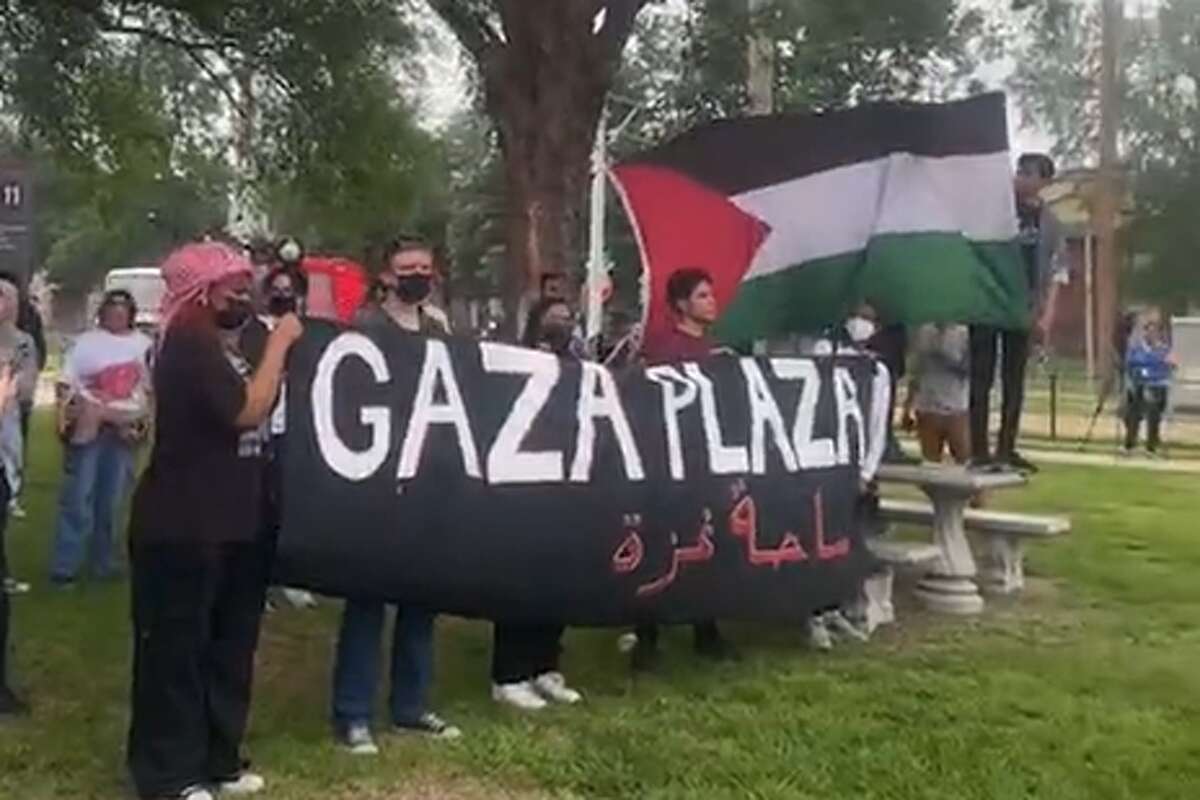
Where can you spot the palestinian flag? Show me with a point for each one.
(800, 217)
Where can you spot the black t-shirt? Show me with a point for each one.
(204, 482)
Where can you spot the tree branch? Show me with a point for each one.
(470, 26)
(221, 83)
(192, 48)
(105, 24)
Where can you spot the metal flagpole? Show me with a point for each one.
(1089, 311)
(760, 86)
(595, 264)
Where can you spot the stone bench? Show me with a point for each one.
(1004, 534)
(875, 603)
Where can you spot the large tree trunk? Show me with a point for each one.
(547, 177)
(546, 71)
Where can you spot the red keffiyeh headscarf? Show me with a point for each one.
(192, 270)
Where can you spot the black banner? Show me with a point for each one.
(491, 481)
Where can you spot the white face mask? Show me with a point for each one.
(289, 252)
(860, 329)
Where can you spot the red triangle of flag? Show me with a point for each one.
(680, 223)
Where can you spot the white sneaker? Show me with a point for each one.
(16, 509)
(247, 783)
(357, 740)
(13, 586)
(300, 599)
(818, 635)
(196, 793)
(626, 642)
(518, 695)
(553, 686)
(837, 621)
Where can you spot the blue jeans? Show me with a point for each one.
(356, 673)
(95, 478)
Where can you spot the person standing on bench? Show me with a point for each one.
(1046, 271)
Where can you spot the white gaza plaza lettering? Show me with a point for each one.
(848, 409)
(677, 394)
(810, 453)
(507, 462)
(437, 369)
(353, 465)
(802, 451)
(598, 401)
(764, 414)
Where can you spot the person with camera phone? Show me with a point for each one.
(1149, 365)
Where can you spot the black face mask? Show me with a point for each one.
(557, 337)
(235, 315)
(281, 304)
(413, 289)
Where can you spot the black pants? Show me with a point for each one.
(26, 414)
(891, 345)
(523, 652)
(1148, 403)
(704, 633)
(1015, 354)
(196, 615)
(5, 609)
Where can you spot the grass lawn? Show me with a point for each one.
(1088, 687)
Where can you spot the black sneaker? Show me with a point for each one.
(11, 705)
(431, 725)
(981, 464)
(717, 648)
(1020, 463)
(895, 455)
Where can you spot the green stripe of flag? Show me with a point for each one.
(914, 277)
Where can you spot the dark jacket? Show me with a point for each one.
(30, 321)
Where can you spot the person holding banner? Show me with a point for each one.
(694, 306)
(525, 657)
(198, 564)
(852, 338)
(408, 284)
(283, 292)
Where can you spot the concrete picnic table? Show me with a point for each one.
(950, 586)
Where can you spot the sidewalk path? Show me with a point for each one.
(1076, 459)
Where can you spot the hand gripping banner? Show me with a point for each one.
(491, 481)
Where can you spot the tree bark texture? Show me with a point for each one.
(545, 70)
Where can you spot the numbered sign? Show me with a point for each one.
(12, 195)
(16, 219)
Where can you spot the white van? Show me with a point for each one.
(147, 286)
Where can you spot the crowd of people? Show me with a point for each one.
(206, 509)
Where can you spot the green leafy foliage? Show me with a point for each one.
(828, 53)
(134, 111)
(1058, 79)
